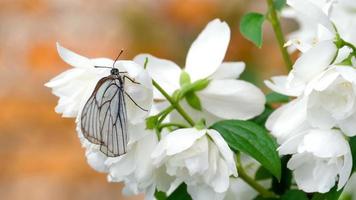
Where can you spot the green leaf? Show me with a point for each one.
(252, 139)
(333, 194)
(193, 100)
(184, 79)
(294, 195)
(180, 193)
(352, 143)
(262, 174)
(275, 97)
(151, 122)
(193, 87)
(279, 4)
(251, 27)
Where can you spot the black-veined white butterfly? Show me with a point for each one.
(104, 116)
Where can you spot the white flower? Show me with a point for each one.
(320, 158)
(332, 100)
(74, 86)
(224, 97)
(200, 158)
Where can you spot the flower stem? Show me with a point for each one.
(250, 181)
(274, 20)
(164, 125)
(173, 103)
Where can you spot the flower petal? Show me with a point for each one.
(166, 73)
(232, 99)
(280, 85)
(317, 139)
(73, 59)
(208, 50)
(229, 70)
(96, 159)
(287, 120)
(176, 142)
(314, 61)
(345, 171)
(348, 125)
(312, 12)
(224, 150)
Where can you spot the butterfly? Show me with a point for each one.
(104, 116)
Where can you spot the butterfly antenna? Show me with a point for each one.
(117, 58)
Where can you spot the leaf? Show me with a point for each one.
(279, 4)
(193, 100)
(251, 27)
(333, 194)
(252, 139)
(151, 122)
(180, 193)
(275, 97)
(294, 195)
(262, 174)
(352, 143)
(184, 79)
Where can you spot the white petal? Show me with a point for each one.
(280, 85)
(232, 99)
(289, 119)
(224, 150)
(345, 171)
(229, 70)
(312, 12)
(298, 44)
(208, 50)
(96, 160)
(290, 146)
(166, 73)
(221, 181)
(314, 61)
(176, 142)
(348, 125)
(204, 192)
(317, 139)
(73, 59)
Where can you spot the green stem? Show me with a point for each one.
(250, 181)
(173, 103)
(164, 125)
(274, 20)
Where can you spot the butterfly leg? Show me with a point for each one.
(130, 79)
(135, 102)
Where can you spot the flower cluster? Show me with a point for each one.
(167, 147)
(189, 126)
(314, 127)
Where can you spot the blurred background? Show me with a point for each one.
(40, 154)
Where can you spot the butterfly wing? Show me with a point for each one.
(104, 117)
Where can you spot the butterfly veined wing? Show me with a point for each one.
(104, 117)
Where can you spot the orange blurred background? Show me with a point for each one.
(41, 157)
